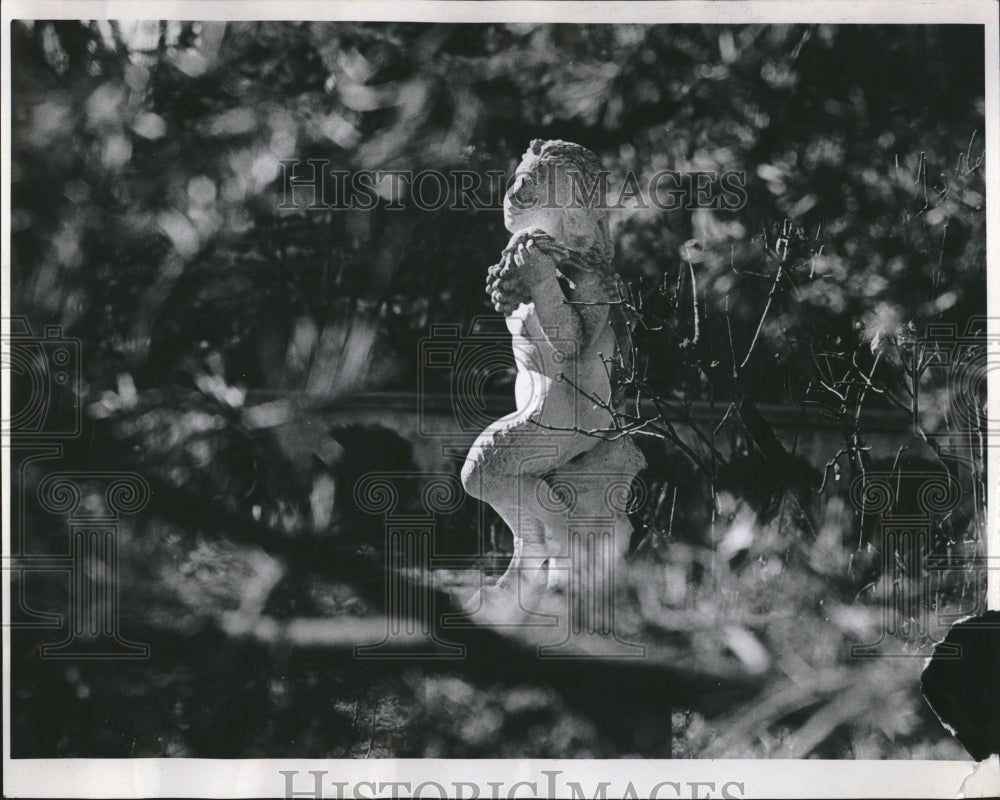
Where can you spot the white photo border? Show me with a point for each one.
(186, 777)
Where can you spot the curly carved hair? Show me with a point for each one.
(556, 152)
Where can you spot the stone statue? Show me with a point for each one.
(557, 458)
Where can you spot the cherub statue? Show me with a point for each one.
(559, 295)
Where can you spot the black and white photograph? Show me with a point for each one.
(500, 400)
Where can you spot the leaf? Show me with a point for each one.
(149, 126)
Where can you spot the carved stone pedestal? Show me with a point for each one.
(598, 489)
(561, 592)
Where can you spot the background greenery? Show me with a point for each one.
(146, 187)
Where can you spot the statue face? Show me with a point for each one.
(542, 196)
(522, 205)
(537, 198)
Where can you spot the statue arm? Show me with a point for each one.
(554, 312)
(591, 302)
(582, 317)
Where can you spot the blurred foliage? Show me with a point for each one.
(146, 220)
(147, 183)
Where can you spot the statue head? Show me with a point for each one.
(554, 189)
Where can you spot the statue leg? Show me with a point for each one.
(515, 498)
(504, 468)
(526, 573)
